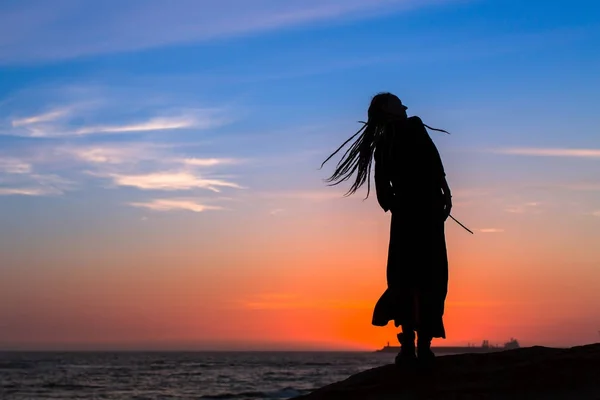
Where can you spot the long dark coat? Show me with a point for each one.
(408, 176)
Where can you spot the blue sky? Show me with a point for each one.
(197, 114)
(115, 93)
(265, 79)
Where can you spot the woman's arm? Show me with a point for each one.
(438, 167)
(439, 171)
(383, 185)
(447, 198)
(445, 187)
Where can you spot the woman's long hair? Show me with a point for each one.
(359, 157)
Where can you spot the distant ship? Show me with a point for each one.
(485, 347)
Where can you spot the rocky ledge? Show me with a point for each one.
(526, 373)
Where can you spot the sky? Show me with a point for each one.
(160, 184)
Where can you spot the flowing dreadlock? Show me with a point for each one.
(358, 158)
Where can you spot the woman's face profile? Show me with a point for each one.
(395, 107)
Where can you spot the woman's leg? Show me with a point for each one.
(407, 345)
(424, 351)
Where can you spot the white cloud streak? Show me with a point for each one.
(14, 166)
(109, 158)
(18, 177)
(170, 181)
(523, 208)
(48, 126)
(118, 153)
(209, 162)
(28, 191)
(174, 204)
(155, 124)
(470, 193)
(172, 166)
(550, 152)
(105, 155)
(491, 230)
(36, 119)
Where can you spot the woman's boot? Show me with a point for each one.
(424, 351)
(407, 347)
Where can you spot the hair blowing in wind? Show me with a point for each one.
(359, 157)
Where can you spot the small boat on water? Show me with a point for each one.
(485, 347)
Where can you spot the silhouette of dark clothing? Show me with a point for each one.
(408, 176)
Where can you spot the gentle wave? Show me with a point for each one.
(69, 386)
(16, 365)
(284, 393)
(185, 376)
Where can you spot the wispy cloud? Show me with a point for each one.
(108, 154)
(63, 111)
(14, 166)
(132, 152)
(141, 165)
(51, 180)
(596, 213)
(170, 181)
(550, 152)
(196, 119)
(20, 191)
(491, 230)
(174, 163)
(154, 124)
(66, 30)
(468, 194)
(523, 208)
(175, 204)
(19, 177)
(45, 117)
(29, 191)
(209, 162)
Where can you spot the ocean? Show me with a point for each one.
(185, 375)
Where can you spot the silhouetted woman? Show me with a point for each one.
(411, 183)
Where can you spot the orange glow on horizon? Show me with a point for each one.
(313, 287)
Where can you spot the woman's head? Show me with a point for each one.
(384, 108)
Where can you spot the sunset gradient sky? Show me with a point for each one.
(159, 181)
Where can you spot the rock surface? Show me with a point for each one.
(526, 373)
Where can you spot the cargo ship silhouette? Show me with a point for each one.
(485, 347)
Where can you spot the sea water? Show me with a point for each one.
(184, 375)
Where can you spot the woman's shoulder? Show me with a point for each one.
(415, 120)
(415, 126)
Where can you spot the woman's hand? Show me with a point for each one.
(384, 207)
(447, 198)
(447, 205)
(386, 201)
